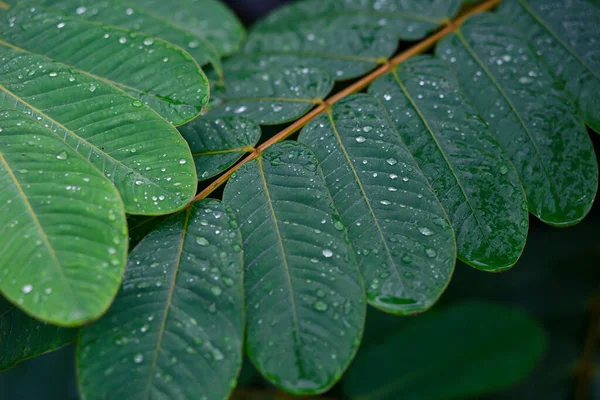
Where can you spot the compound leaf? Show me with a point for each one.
(305, 299)
(175, 329)
(398, 228)
(142, 154)
(473, 178)
(533, 119)
(63, 243)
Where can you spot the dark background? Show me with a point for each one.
(556, 280)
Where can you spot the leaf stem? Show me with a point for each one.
(586, 365)
(357, 86)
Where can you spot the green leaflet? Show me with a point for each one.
(218, 143)
(175, 329)
(462, 351)
(408, 20)
(140, 19)
(534, 121)
(141, 153)
(346, 38)
(130, 61)
(22, 337)
(305, 300)
(63, 243)
(207, 21)
(473, 178)
(398, 228)
(272, 96)
(565, 35)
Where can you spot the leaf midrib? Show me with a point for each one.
(286, 266)
(36, 221)
(80, 139)
(167, 307)
(511, 105)
(364, 195)
(438, 145)
(542, 23)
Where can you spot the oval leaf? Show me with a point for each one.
(398, 228)
(142, 154)
(305, 300)
(483, 347)
(218, 143)
(63, 243)
(175, 329)
(22, 337)
(473, 178)
(533, 119)
(134, 63)
(565, 35)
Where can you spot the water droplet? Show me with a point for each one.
(201, 241)
(327, 253)
(392, 161)
(320, 305)
(430, 253)
(426, 231)
(361, 139)
(27, 289)
(137, 103)
(138, 358)
(216, 290)
(182, 161)
(62, 156)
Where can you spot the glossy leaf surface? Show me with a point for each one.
(132, 62)
(175, 329)
(218, 143)
(565, 35)
(22, 337)
(346, 38)
(140, 19)
(473, 178)
(305, 300)
(271, 96)
(208, 21)
(533, 119)
(142, 154)
(462, 351)
(63, 243)
(398, 228)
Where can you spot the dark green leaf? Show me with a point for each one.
(464, 351)
(133, 62)
(473, 178)
(175, 329)
(22, 337)
(218, 143)
(398, 228)
(63, 240)
(139, 226)
(533, 119)
(272, 96)
(345, 38)
(565, 34)
(141, 153)
(305, 300)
